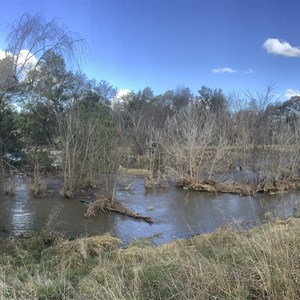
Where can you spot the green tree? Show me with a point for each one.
(213, 100)
(177, 99)
(137, 117)
(89, 142)
(53, 83)
(9, 133)
(39, 37)
(21, 69)
(7, 78)
(42, 101)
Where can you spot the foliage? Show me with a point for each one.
(40, 37)
(7, 78)
(213, 100)
(9, 134)
(194, 137)
(89, 142)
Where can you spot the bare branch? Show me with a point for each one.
(30, 38)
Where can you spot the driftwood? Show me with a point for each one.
(108, 205)
(244, 189)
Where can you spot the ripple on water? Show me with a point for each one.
(176, 213)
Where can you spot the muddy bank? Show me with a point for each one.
(240, 188)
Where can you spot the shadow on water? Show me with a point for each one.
(176, 213)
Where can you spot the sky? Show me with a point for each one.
(235, 45)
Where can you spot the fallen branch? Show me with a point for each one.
(108, 205)
(132, 214)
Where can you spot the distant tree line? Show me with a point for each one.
(53, 117)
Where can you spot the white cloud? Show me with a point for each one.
(223, 70)
(122, 93)
(289, 93)
(27, 58)
(2, 54)
(248, 71)
(26, 61)
(283, 48)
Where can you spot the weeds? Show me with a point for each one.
(262, 263)
(10, 184)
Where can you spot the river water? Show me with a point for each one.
(176, 213)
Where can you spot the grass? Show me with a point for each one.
(262, 263)
(126, 172)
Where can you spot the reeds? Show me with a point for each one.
(262, 263)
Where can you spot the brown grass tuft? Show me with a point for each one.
(262, 263)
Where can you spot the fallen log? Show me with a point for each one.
(108, 205)
(241, 188)
(132, 215)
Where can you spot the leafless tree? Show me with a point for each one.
(29, 39)
(187, 137)
(261, 99)
(91, 150)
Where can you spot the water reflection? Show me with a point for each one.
(176, 213)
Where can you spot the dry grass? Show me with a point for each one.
(148, 183)
(259, 264)
(76, 252)
(101, 204)
(109, 205)
(126, 172)
(38, 187)
(156, 182)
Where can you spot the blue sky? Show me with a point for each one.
(236, 45)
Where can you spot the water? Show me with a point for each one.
(176, 213)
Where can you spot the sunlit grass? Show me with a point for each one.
(262, 263)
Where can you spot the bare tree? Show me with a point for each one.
(91, 148)
(187, 137)
(261, 99)
(29, 39)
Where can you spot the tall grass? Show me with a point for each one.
(263, 263)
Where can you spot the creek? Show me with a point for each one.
(176, 213)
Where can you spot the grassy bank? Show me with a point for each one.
(263, 263)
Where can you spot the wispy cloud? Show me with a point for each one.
(289, 93)
(275, 46)
(248, 71)
(223, 70)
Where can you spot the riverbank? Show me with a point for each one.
(241, 188)
(262, 263)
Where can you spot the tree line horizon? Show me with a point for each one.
(64, 116)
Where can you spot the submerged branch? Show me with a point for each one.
(108, 205)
